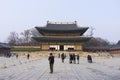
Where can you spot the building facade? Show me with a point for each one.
(4, 49)
(61, 36)
(115, 49)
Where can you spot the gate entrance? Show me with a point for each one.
(61, 47)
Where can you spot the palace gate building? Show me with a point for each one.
(61, 36)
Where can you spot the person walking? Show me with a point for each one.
(74, 58)
(58, 55)
(51, 62)
(16, 56)
(62, 57)
(28, 56)
(78, 58)
(71, 58)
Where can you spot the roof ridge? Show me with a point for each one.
(48, 22)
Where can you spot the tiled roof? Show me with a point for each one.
(3, 45)
(62, 39)
(98, 48)
(115, 47)
(62, 27)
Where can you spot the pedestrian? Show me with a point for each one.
(89, 58)
(16, 56)
(51, 62)
(71, 58)
(62, 57)
(28, 56)
(58, 55)
(78, 58)
(74, 58)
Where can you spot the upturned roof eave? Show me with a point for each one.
(58, 39)
(64, 29)
(43, 30)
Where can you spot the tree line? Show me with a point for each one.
(97, 42)
(22, 39)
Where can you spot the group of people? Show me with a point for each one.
(89, 58)
(62, 56)
(72, 59)
(28, 56)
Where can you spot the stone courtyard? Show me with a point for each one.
(38, 69)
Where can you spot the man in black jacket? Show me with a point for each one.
(51, 62)
(78, 58)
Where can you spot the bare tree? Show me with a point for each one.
(35, 33)
(91, 31)
(97, 42)
(118, 43)
(26, 36)
(13, 38)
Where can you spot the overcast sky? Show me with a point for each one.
(19, 15)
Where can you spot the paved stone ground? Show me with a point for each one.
(39, 70)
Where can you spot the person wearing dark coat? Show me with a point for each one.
(62, 57)
(74, 58)
(78, 58)
(71, 58)
(89, 58)
(51, 62)
(28, 56)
